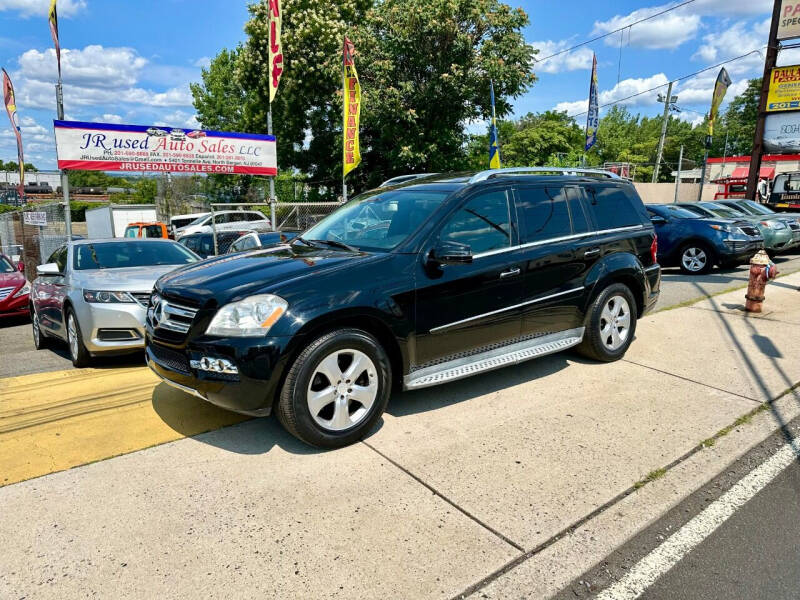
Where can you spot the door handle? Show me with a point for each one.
(591, 253)
(510, 273)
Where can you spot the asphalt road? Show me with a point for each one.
(19, 357)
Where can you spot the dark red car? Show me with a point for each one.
(14, 289)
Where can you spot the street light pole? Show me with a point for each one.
(667, 101)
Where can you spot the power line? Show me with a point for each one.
(605, 35)
(653, 89)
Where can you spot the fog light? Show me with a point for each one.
(215, 365)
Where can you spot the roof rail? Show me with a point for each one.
(484, 175)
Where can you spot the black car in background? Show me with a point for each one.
(202, 244)
(410, 286)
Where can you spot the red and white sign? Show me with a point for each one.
(789, 23)
(110, 147)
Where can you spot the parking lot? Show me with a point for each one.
(508, 484)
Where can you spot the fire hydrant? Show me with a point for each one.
(762, 269)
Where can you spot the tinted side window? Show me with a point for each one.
(543, 213)
(612, 207)
(580, 222)
(483, 223)
(255, 217)
(206, 245)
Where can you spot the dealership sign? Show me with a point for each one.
(789, 23)
(782, 133)
(110, 147)
(784, 89)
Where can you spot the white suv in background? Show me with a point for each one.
(226, 220)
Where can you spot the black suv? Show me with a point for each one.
(411, 286)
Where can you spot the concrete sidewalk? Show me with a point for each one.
(507, 484)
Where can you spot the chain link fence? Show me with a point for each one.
(33, 234)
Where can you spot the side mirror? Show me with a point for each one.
(656, 220)
(21, 267)
(48, 270)
(452, 253)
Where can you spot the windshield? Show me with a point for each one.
(199, 220)
(679, 213)
(132, 232)
(119, 255)
(5, 266)
(724, 211)
(379, 222)
(699, 211)
(754, 208)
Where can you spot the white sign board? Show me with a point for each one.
(789, 22)
(35, 218)
(110, 147)
(782, 133)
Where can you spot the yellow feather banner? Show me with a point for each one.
(352, 110)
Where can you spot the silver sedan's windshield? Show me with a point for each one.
(119, 255)
(379, 222)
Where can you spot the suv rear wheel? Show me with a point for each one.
(610, 324)
(336, 389)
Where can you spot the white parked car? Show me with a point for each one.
(178, 221)
(227, 220)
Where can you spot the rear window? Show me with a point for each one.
(543, 213)
(613, 207)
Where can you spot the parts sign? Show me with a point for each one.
(111, 147)
(789, 23)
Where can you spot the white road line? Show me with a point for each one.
(679, 544)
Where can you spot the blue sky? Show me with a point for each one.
(131, 61)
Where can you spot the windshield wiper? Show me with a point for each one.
(308, 243)
(338, 244)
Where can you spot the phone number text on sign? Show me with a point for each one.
(111, 147)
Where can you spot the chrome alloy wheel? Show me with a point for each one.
(343, 388)
(72, 336)
(615, 323)
(694, 259)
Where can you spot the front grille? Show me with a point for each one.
(5, 293)
(751, 231)
(142, 298)
(794, 226)
(171, 359)
(163, 314)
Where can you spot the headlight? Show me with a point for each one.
(725, 228)
(23, 291)
(104, 297)
(251, 317)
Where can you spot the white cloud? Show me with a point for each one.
(109, 118)
(28, 8)
(94, 66)
(203, 62)
(620, 93)
(569, 61)
(179, 118)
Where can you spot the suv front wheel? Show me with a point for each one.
(610, 324)
(336, 389)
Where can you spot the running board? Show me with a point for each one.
(493, 359)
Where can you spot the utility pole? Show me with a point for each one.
(667, 102)
(678, 178)
(758, 140)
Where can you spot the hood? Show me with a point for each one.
(14, 279)
(236, 276)
(130, 279)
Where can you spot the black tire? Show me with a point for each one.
(79, 354)
(40, 341)
(595, 344)
(701, 249)
(293, 405)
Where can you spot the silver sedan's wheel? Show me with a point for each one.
(615, 323)
(342, 390)
(694, 259)
(72, 336)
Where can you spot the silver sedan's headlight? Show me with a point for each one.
(251, 317)
(104, 297)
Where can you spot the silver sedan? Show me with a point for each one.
(93, 294)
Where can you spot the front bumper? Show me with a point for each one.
(260, 366)
(779, 240)
(14, 307)
(111, 328)
(740, 249)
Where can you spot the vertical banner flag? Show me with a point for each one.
(53, 18)
(11, 109)
(494, 140)
(720, 88)
(275, 47)
(352, 110)
(593, 118)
